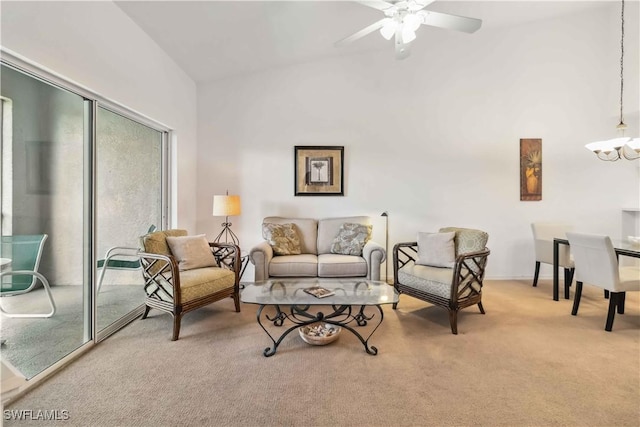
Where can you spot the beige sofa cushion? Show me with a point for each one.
(329, 228)
(305, 265)
(283, 238)
(307, 229)
(332, 265)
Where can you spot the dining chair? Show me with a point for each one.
(543, 235)
(597, 265)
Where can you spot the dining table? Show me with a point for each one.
(622, 247)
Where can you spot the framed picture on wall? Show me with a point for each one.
(319, 170)
(531, 169)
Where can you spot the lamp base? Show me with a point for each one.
(228, 234)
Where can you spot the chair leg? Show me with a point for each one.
(536, 274)
(576, 298)
(572, 272)
(567, 283)
(623, 297)
(481, 307)
(606, 294)
(146, 312)
(453, 320)
(236, 301)
(614, 297)
(176, 326)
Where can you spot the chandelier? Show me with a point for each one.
(623, 146)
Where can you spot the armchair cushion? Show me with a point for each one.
(436, 249)
(283, 238)
(203, 282)
(430, 280)
(467, 239)
(156, 242)
(191, 252)
(351, 239)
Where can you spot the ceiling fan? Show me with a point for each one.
(404, 17)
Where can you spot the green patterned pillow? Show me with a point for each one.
(468, 239)
(283, 238)
(351, 239)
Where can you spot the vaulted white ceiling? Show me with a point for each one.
(211, 40)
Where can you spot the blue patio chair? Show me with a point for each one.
(120, 258)
(19, 275)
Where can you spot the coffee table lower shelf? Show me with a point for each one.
(345, 316)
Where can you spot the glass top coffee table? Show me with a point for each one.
(353, 303)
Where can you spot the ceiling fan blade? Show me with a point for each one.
(402, 49)
(376, 4)
(419, 4)
(450, 22)
(363, 32)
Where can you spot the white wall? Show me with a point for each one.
(97, 45)
(434, 139)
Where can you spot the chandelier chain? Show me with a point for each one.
(621, 62)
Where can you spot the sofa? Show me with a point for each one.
(324, 248)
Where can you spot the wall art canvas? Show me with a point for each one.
(318, 170)
(531, 169)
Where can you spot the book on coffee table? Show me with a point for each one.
(319, 292)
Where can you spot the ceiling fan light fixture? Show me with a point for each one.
(408, 35)
(621, 147)
(389, 29)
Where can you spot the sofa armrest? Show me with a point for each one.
(374, 254)
(260, 256)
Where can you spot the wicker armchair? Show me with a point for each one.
(451, 288)
(177, 292)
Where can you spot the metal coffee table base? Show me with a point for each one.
(343, 315)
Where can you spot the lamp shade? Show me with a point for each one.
(226, 205)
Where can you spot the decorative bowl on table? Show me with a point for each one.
(635, 240)
(319, 333)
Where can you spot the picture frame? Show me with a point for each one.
(319, 170)
(531, 169)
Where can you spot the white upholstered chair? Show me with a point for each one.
(543, 235)
(597, 265)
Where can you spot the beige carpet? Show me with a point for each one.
(526, 362)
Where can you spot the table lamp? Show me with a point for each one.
(226, 206)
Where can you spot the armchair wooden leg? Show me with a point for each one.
(536, 274)
(481, 307)
(176, 326)
(576, 298)
(236, 301)
(394, 305)
(146, 312)
(453, 320)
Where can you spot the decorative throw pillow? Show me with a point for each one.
(436, 249)
(351, 239)
(283, 238)
(191, 252)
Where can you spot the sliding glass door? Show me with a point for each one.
(129, 200)
(44, 180)
(81, 176)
